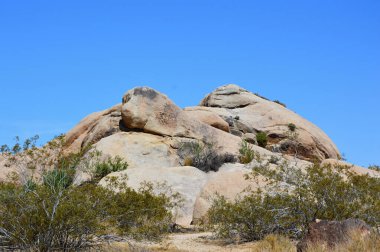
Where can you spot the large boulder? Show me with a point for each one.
(209, 118)
(332, 233)
(249, 113)
(93, 128)
(185, 180)
(140, 149)
(152, 112)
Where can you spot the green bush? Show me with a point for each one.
(104, 168)
(49, 217)
(374, 167)
(51, 214)
(278, 102)
(247, 154)
(293, 198)
(262, 139)
(292, 127)
(204, 156)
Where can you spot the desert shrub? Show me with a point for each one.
(293, 198)
(53, 217)
(274, 160)
(262, 97)
(47, 212)
(275, 243)
(204, 156)
(57, 178)
(374, 167)
(142, 214)
(111, 164)
(292, 127)
(247, 154)
(262, 139)
(278, 102)
(47, 218)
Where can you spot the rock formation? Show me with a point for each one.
(147, 129)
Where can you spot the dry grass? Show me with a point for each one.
(274, 243)
(271, 243)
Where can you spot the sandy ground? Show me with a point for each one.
(183, 242)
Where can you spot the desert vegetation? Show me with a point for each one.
(262, 139)
(44, 211)
(204, 156)
(292, 199)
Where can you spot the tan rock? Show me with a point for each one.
(209, 118)
(230, 181)
(251, 113)
(93, 128)
(148, 110)
(140, 149)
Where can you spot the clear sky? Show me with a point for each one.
(61, 60)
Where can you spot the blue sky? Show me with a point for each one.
(61, 60)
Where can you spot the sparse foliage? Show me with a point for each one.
(247, 154)
(204, 156)
(292, 127)
(112, 164)
(281, 103)
(292, 198)
(262, 139)
(374, 167)
(49, 213)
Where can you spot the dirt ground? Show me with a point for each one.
(183, 242)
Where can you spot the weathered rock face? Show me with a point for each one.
(147, 130)
(249, 113)
(209, 118)
(140, 149)
(332, 233)
(93, 128)
(147, 110)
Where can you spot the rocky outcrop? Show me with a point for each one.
(148, 129)
(332, 233)
(149, 111)
(249, 113)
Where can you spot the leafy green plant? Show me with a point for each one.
(247, 154)
(262, 139)
(108, 166)
(292, 127)
(47, 212)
